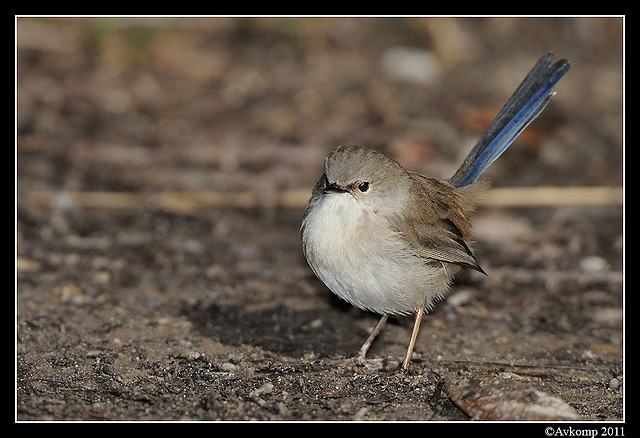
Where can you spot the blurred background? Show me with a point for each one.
(253, 104)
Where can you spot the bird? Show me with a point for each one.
(391, 241)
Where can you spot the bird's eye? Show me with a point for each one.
(363, 186)
(323, 182)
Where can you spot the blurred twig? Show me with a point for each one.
(192, 200)
(552, 196)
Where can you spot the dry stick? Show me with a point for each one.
(189, 201)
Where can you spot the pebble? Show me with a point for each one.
(411, 64)
(614, 384)
(228, 366)
(607, 316)
(593, 264)
(256, 394)
(460, 298)
(264, 389)
(193, 355)
(69, 292)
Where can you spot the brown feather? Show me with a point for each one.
(437, 224)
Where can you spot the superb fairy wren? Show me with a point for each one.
(391, 241)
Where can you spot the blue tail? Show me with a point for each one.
(522, 108)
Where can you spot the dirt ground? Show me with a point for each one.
(162, 168)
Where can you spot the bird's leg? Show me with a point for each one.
(412, 341)
(367, 344)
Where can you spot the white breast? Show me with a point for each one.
(360, 259)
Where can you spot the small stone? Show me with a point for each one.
(460, 298)
(593, 264)
(411, 64)
(193, 355)
(228, 366)
(614, 384)
(267, 388)
(68, 292)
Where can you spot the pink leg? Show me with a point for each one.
(367, 344)
(412, 341)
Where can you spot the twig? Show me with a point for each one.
(188, 201)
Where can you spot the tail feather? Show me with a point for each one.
(526, 103)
